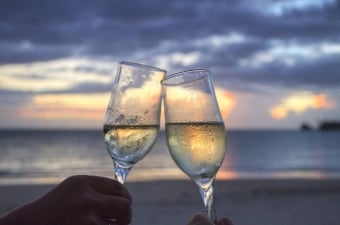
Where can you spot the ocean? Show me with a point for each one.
(49, 156)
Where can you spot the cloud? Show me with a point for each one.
(300, 102)
(65, 107)
(167, 60)
(73, 47)
(275, 43)
(312, 66)
(64, 29)
(73, 75)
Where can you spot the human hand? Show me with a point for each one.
(81, 200)
(200, 219)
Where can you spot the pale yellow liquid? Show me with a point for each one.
(130, 144)
(197, 148)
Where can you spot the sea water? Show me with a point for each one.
(48, 156)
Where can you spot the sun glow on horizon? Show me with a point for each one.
(226, 101)
(66, 106)
(91, 107)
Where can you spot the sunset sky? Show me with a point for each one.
(275, 63)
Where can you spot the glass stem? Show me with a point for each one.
(121, 172)
(206, 192)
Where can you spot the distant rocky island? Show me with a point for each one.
(323, 126)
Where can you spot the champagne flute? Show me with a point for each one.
(133, 115)
(195, 131)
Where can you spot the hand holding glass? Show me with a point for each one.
(132, 118)
(195, 130)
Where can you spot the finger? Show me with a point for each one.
(112, 221)
(224, 221)
(108, 186)
(115, 207)
(200, 219)
(109, 222)
(93, 219)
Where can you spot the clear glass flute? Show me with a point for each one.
(195, 131)
(133, 115)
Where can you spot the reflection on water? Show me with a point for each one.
(50, 156)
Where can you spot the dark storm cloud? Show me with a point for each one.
(317, 73)
(229, 56)
(36, 30)
(21, 52)
(324, 71)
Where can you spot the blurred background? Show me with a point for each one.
(275, 63)
(275, 66)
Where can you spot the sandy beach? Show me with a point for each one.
(245, 201)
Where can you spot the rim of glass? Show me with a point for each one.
(204, 74)
(141, 66)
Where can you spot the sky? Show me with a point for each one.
(275, 63)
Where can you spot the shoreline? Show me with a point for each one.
(174, 174)
(246, 201)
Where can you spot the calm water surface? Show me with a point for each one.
(49, 156)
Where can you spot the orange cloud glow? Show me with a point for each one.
(66, 106)
(299, 103)
(91, 107)
(321, 101)
(226, 101)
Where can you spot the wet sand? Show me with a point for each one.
(245, 201)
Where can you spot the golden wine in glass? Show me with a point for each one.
(195, 131)
(133, 115)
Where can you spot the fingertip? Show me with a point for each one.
(125, 220)
(109, 186)
(120, 208)
(199, 215)
(199, 219)
(125, 192)
(224, 221)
